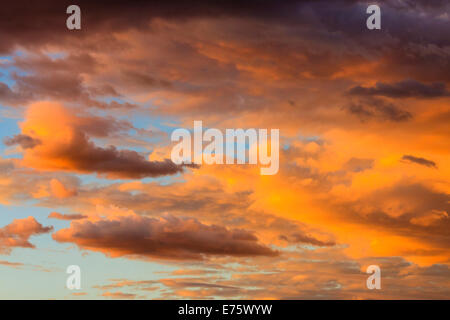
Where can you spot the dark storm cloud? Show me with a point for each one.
(48, 17)
(36, 23)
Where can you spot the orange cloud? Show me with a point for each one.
(59, 190)
(72, 150)
(363, 172)
(18, 232)
(119, 295)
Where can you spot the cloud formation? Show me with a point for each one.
(351, 115)
(18, 233)
(72, 149)
(164, 238)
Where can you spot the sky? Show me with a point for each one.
(86, 176)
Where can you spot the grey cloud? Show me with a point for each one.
(166, 238)
(403, 89)
(418, 160)
(23, 140)
(374, 108)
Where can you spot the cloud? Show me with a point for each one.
(10, 97)
(78, 293)
(305, 239)
(437, 270)
(26, 142)
(375, 108)
(19, 185)
(358, 165)
(61, 216)
(433, 217)
(55, 84)
(203, 288)
(72, 149)
(44, 24)
(403, 89)
(413, 211)
(101, 16)
(164, 238)
(59, 190)
(209, 60)
(16, 265)
(119, 295)
(418, 160)
(18, 232)
(314, 275)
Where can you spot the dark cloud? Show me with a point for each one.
(101, 127)
(358, 165)
(58, 85)
(45, 22)
(318, 39)
(305, 239)
(188, 283)
(144, 80)
(421, 161)
(23, 140)
(205, 287)
(10, 97)
(165, 238)
(403, 89)
(401, 19)
(375, 108)
(76, 151)
(85, 156)
(436, 270)
(61, 216)
(62, 78)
